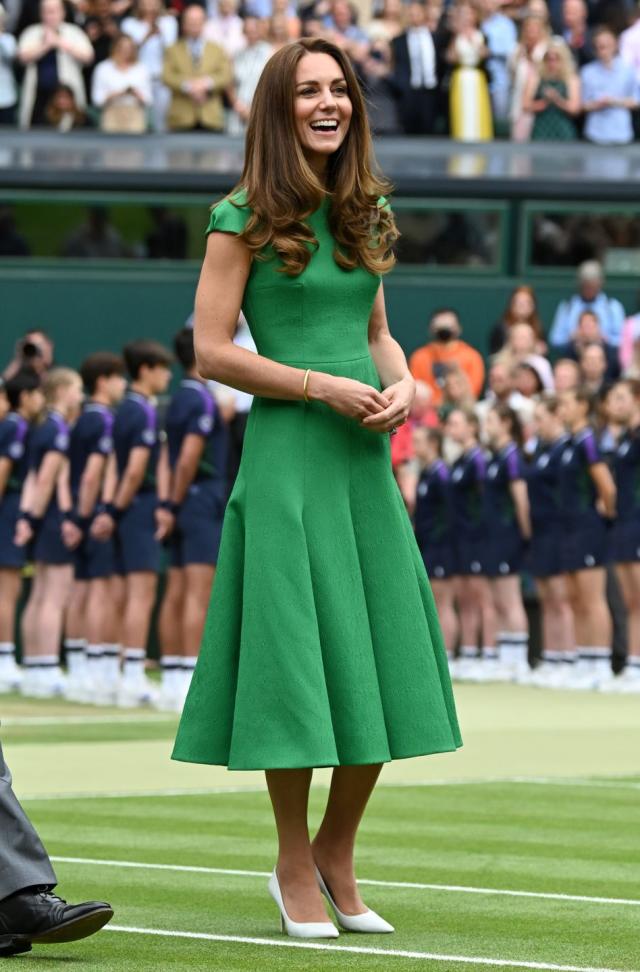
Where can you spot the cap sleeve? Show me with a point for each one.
(229, 216)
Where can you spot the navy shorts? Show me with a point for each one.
(94, 559)
(136, 548)
(48, 547)
(439, 560)
(505, 552)
(585, 543)
(10, 555)
(545, 553)
(471, 556)
(625, 541)
(196, 535)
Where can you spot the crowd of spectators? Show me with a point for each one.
(471, 69)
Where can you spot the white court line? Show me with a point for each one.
(414, 885)
(359, 950)
(623, 784)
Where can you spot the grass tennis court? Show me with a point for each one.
(521, 851)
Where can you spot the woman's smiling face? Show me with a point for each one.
(322, 105)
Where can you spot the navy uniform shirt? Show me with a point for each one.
(504, 468)
(194, 411)
(14, 432)
(93, 432)
(136, 424)
(543, 484)
(52, 435)
(577, 490)
(468, 476)
(626, 470)
(433, 515)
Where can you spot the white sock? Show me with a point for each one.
(7, 655)
(188, 666)
(552, 656)
(49, 666)
(490, 652)
(468, 651)
(110, 663)
(597, 658)
(633, 664)
(569, 657)
(134, 659)
(75, 652)
(171, 666)
(94, 665)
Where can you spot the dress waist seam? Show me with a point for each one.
(327, 361)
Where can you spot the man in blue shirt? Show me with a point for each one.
(138, 513)
(93, 662)
(26, 402)
(501, 36)
(590, 297)
(197, 440)
(609, 92)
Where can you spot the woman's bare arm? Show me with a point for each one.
(388, 356)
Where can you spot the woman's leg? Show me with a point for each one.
(629, 579)
(592, 618)
(10, 584)
(443, 596)
(289, 792)
(333, 846)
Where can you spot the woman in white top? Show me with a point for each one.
(469, 103)
(121, 87)
(54, 53)
(247, 68)
(8, 90)
(524, 65)
(154, 31)
(226, 28)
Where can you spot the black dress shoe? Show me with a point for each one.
(39, 917)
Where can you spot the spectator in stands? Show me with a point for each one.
(502, 391)
(225, 28)
(553, 96)
(429, 362)
(382, 106)
(278, 31)
(415, 73)
(102, 28)
(287, 10)
(247, 68)
(520, 343)
(523, 64)
(590, 296)
(630, 45)
(96, 239)
(566, 375)
(587, 333)
(593, 369)
(501, 37)
(8, 89)
(575, 31)
(533, 375)
(630, 334)
(522, 306)
(154, 31)
(470, 118)
(62, 112)
(456, 391)
(341, 28)
(389, 23)
(196, 71)
(609, 92)
(53, 53)
(121, 89)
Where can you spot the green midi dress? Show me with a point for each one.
(322, 645)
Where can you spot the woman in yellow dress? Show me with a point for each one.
(469, 102)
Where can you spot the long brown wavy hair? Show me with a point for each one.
(282, 189)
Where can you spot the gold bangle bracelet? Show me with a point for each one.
(304, 386)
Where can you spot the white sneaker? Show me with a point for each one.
(584, 677)
(136, 692)
(169, 699)
(44, 683)
(10, 676)
(105, 693)
(626, 682)
(78, 688)
(467, 669)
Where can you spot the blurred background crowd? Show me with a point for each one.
(519, 69)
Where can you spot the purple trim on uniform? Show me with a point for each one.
(587, 441)
(441, 471)
(205, 394)
(479, 461)
(22, 426)
(59, 421)
(147, 407)
(512, 463)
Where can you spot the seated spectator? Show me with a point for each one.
(502, 391)
(414, 77)
(8, 88)
(593, 369)
(62, 112)
(589, 332)
(575, 31)
(429, 362)
(225, 29)
(286, 9)
(196, 71)
(341, 28)
(247, 68)
(470, 115)
(102, 28)
(629, 43)
(566, 375)
(523, 65)
(154, 31)
(590, 296)
(533, 375)
(389, 23)
(278, 31)
(121, 89)
(609, 92)
(521, 307)
(54, 53)
(456, 391)
(553, 97)
(520, 343)
(502, 37)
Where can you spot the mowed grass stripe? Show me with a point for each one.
(363, 950)
(414, 885)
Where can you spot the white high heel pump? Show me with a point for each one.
(368, 921)
(299, 929)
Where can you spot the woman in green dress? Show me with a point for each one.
(553, 95)
(322, 646)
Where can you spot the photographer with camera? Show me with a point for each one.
(430, 362)
(33, 350)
